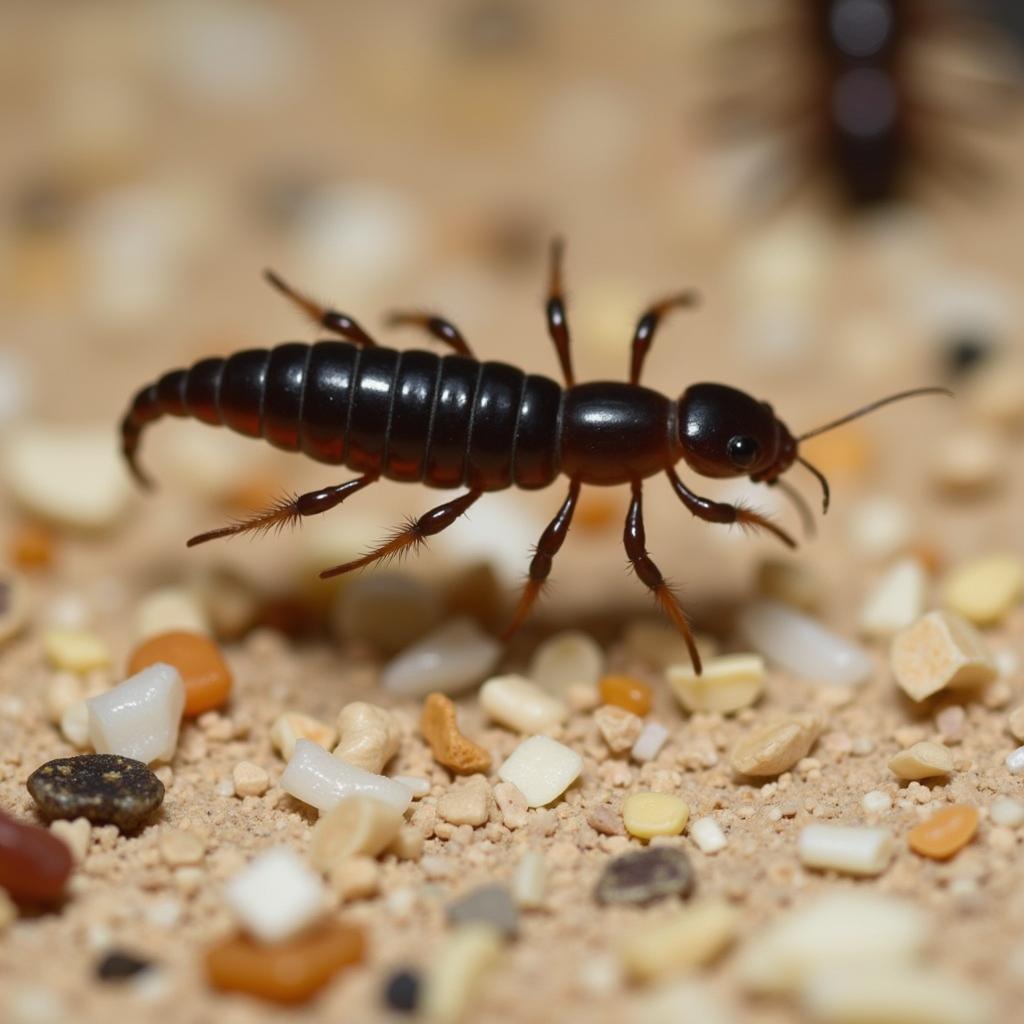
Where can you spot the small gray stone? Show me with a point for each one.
(105, 788)
(487, 904)
(645, 876)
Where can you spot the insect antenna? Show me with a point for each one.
(825, 494)
(871, 407)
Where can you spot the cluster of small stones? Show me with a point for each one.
(565, 740)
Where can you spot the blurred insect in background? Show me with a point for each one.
(455, 421)
(878, 99)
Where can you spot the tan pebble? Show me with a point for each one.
(1015, 723)
(895, 600)
(521, 705)
(996, 394)
(74, 724)
(179, 848)
(565, 659)
(77, 834)
(791, 582)
(775, 748)
(465, 956)
(355, 878)
(925, 760)
(530, 880)
(294, 725)
(951, 721)
(369, 736)
(582, 697)
(688, 939)
(63, 690)
(985, 589)
(75, 650)
(466, 803)
(620, 728)
(408, 844)
(659, 645)
(439, 726)
(968, 464)
(997, 695)
(940, 650)
(358, 826)
(169, 610)
(945, 832)
(249, 779)
(511, 804)
(604, 819)
(727, 684)
(16, 608)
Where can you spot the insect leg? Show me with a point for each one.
(331, 319)
(648, 324)
(289, 510)
(558, 326)
(723, 512)
(440, 328)
(412, 534)
(635, 542)
(547, 547)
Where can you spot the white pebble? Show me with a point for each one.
(1015, 761)
(450, 660)
(316, 777)
(708, 835)
(880, 527)
(903, 994)
(567, 659)
(844, 926)
(141, 717)
(74, 724)
(71, 477)
(1007, 812)
(649, 743)
(542, 769)
(414, 783)
(520, 705)
(850, 850)
(530, 880)
(895, 601)
(803, 646)
(276, 895)
(876, 802)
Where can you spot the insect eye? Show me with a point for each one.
(743, 451)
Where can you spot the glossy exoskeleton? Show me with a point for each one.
(455, 421)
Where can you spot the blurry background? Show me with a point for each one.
(156, 157)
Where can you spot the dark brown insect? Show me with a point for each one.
(454, 421)
(867, 93)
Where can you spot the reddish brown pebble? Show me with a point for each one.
(289, 972)
(206, 677)
(944, 833)
(626, 692)
(34, 863)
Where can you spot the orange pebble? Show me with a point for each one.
(440, 729)
(848, 452)
(32, 547)
(944, 833)
(626, 692)
(288, 972)
(206, 677)
(596, 511)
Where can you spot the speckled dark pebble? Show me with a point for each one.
(402, 991)
(119, 966)
(966, 352)
(105, 788)
(644, 876)
(487, 904)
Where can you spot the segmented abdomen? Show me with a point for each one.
(410, 416)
